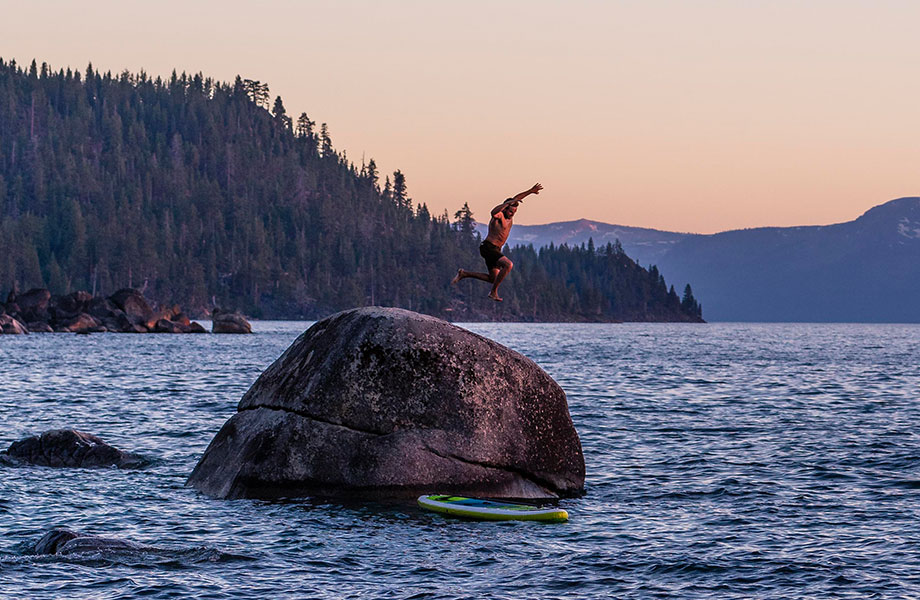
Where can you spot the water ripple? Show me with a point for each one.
(724, 461)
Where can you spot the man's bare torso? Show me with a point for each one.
(499, 230)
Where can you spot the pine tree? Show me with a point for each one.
(281, 119)
(372, 174)
(325, 141)
(400, 190)
(304, 126)
(688, 304)
(463, 220)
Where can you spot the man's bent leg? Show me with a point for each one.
(504, 265)
(487, 277)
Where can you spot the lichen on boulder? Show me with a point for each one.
(387, 402)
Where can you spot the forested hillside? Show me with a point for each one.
(208, 193)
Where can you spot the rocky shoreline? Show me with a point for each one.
(125, 311)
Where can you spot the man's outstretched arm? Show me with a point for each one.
(535, 189)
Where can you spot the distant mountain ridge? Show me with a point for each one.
(642, 244)
(865, 270)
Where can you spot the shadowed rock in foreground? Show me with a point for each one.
(387, 402)
(67, 448)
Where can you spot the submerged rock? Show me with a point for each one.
(229, 322)
(52, 541)
(67, 448)
(388, 402)
(65, 541)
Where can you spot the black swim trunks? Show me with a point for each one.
(491, 253)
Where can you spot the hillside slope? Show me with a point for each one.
(866, 270)
(205, 193)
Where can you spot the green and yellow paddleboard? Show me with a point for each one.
(474, 508)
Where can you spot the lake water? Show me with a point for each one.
(723, 461)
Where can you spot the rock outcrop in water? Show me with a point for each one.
(387, 402)
(125, 311)
(229, 322)
(67, 448)
(11, 325)
(65, 541)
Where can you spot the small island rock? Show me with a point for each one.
(63, 541)
(387, 402)
(67, 448)
(229, 322)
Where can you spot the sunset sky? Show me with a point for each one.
(686, 115)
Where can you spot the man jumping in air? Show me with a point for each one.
(491, 248)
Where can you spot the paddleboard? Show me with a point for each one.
(474, 508)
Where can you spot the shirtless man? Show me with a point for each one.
(491, 248)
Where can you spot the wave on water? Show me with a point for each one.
(723, 461)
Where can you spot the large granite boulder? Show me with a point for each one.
(387, 402)
(67, 448)
(229, 322)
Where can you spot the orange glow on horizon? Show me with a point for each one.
(699, 117)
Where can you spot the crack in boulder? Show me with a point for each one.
(541, 483)
(312, 417)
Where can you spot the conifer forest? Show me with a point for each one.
(208, 193)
